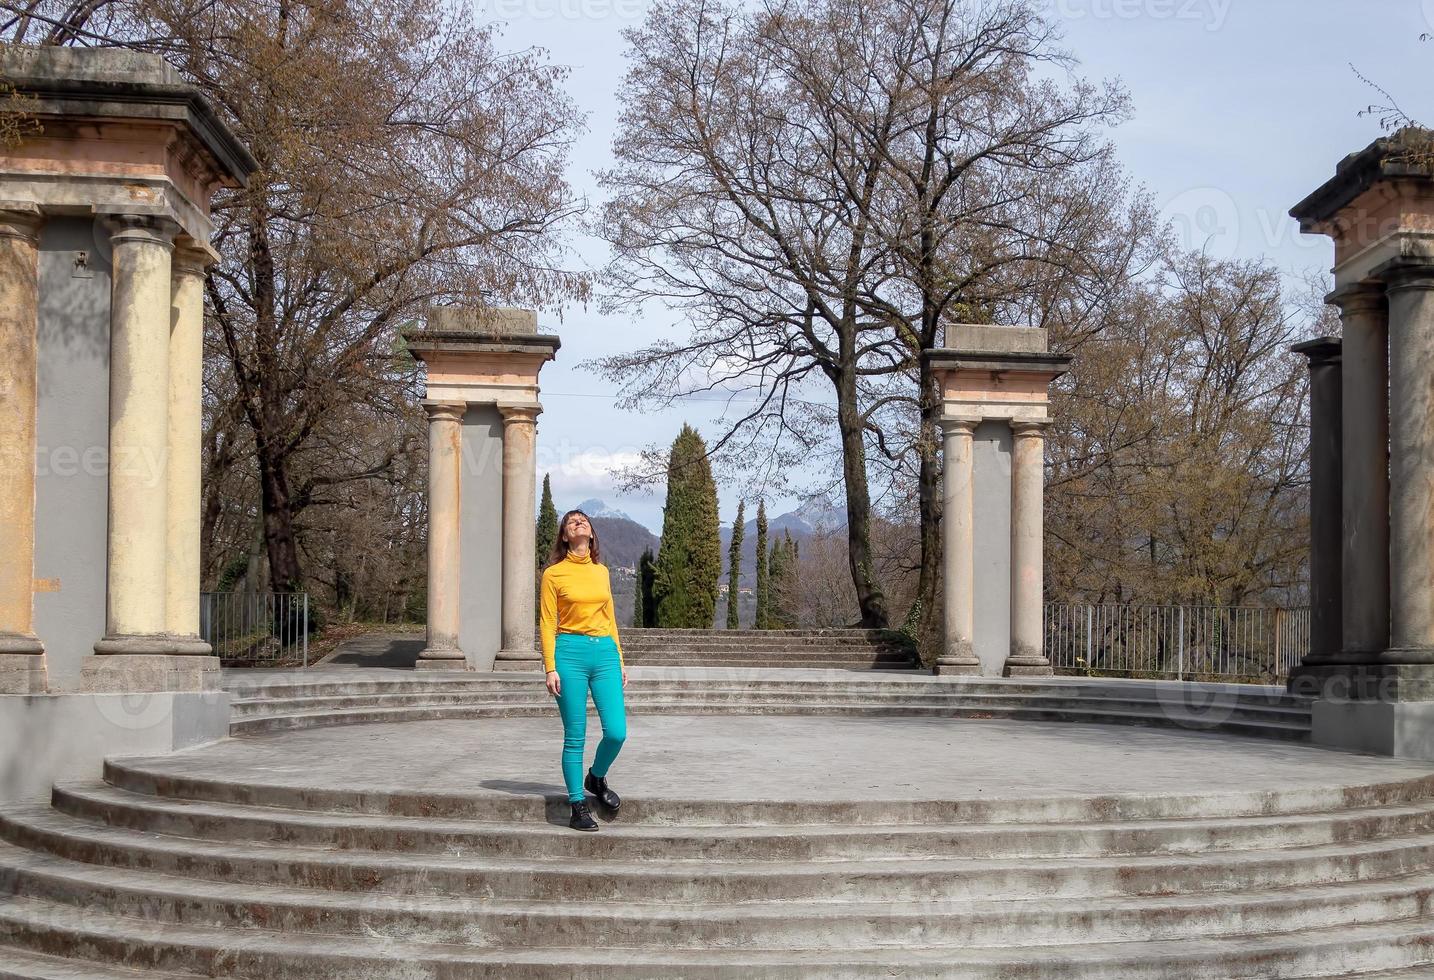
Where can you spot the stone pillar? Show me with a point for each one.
(520, 424)
(1411, 460)
(445, 455)
(1326, 507)
(186, 381)
(1028, 479)
(1365, 414)
(137, 653)
(958, 548)
(22, 663)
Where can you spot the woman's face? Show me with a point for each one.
(577, 528)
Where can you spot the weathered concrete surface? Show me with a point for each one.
(1401, 729)
(789, 759)
(396, 650)
(49, 737)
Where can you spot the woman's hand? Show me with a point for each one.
(555, 685)
(624, 676)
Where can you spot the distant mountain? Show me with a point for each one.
(594, 507)
(623, 540)
(810, 518)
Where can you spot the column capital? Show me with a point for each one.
(1320, 351)
(21, 223)
(1406, 273)
(1030, 428)
(445, 411)
(960, 425)
(519, 414)
(144, 228)
(1359, 297)
(190, 261)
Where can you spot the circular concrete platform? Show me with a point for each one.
(795, 759)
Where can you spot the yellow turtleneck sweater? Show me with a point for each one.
(576, 598)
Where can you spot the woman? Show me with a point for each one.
(581, 653)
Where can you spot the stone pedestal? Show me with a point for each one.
(520, 423)
(1326, 507)
(485, 361)
(22, 662)
(1410, 287)
(186, 395)
(1377, 693)
(1027, 552)
(137, 622)
(995, 383)
(445, 453)
(1365, 462)
(958, 654)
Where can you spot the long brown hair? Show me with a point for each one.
(560, 546)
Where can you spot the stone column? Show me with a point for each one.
(1364, 386)
(520, 424)
(1326, 507)
(1028, 480)
(958, 548)
(137, 652)
(1411, 456)
(445, 455)
(22, 663)
(186, 379)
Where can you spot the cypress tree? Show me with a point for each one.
(689, 556)
(734, 566)
(646, 573)
(762, 579)
(547, 524)
(642, 606)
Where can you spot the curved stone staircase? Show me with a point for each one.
(279, 701)
(193, 864)
(851, 649)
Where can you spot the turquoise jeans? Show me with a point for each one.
(588, 663)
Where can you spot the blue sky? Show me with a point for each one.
(1241, 108)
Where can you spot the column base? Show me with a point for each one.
(22, 664)
(519, 659)
(121, 673)
(441, 658)
(1028, 668)
(22, 673)
(957, 666)
(153, 644)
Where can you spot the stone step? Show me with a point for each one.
(320, 683)
(748, 633)
(171, 777)
(931, 878)
(637, 696)
(20, 964)
(703, 659)
(1113, 714)
(266, 953)
(238, 823)
(479, 921)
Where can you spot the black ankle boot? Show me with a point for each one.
(597, 786)
(582, 818)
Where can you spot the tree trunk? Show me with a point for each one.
(930, 624)
(869, 597)
(279, 539)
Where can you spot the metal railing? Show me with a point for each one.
(256, 627)
(1241, 643)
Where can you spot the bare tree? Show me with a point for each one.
(823, 185)
(402, 159)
